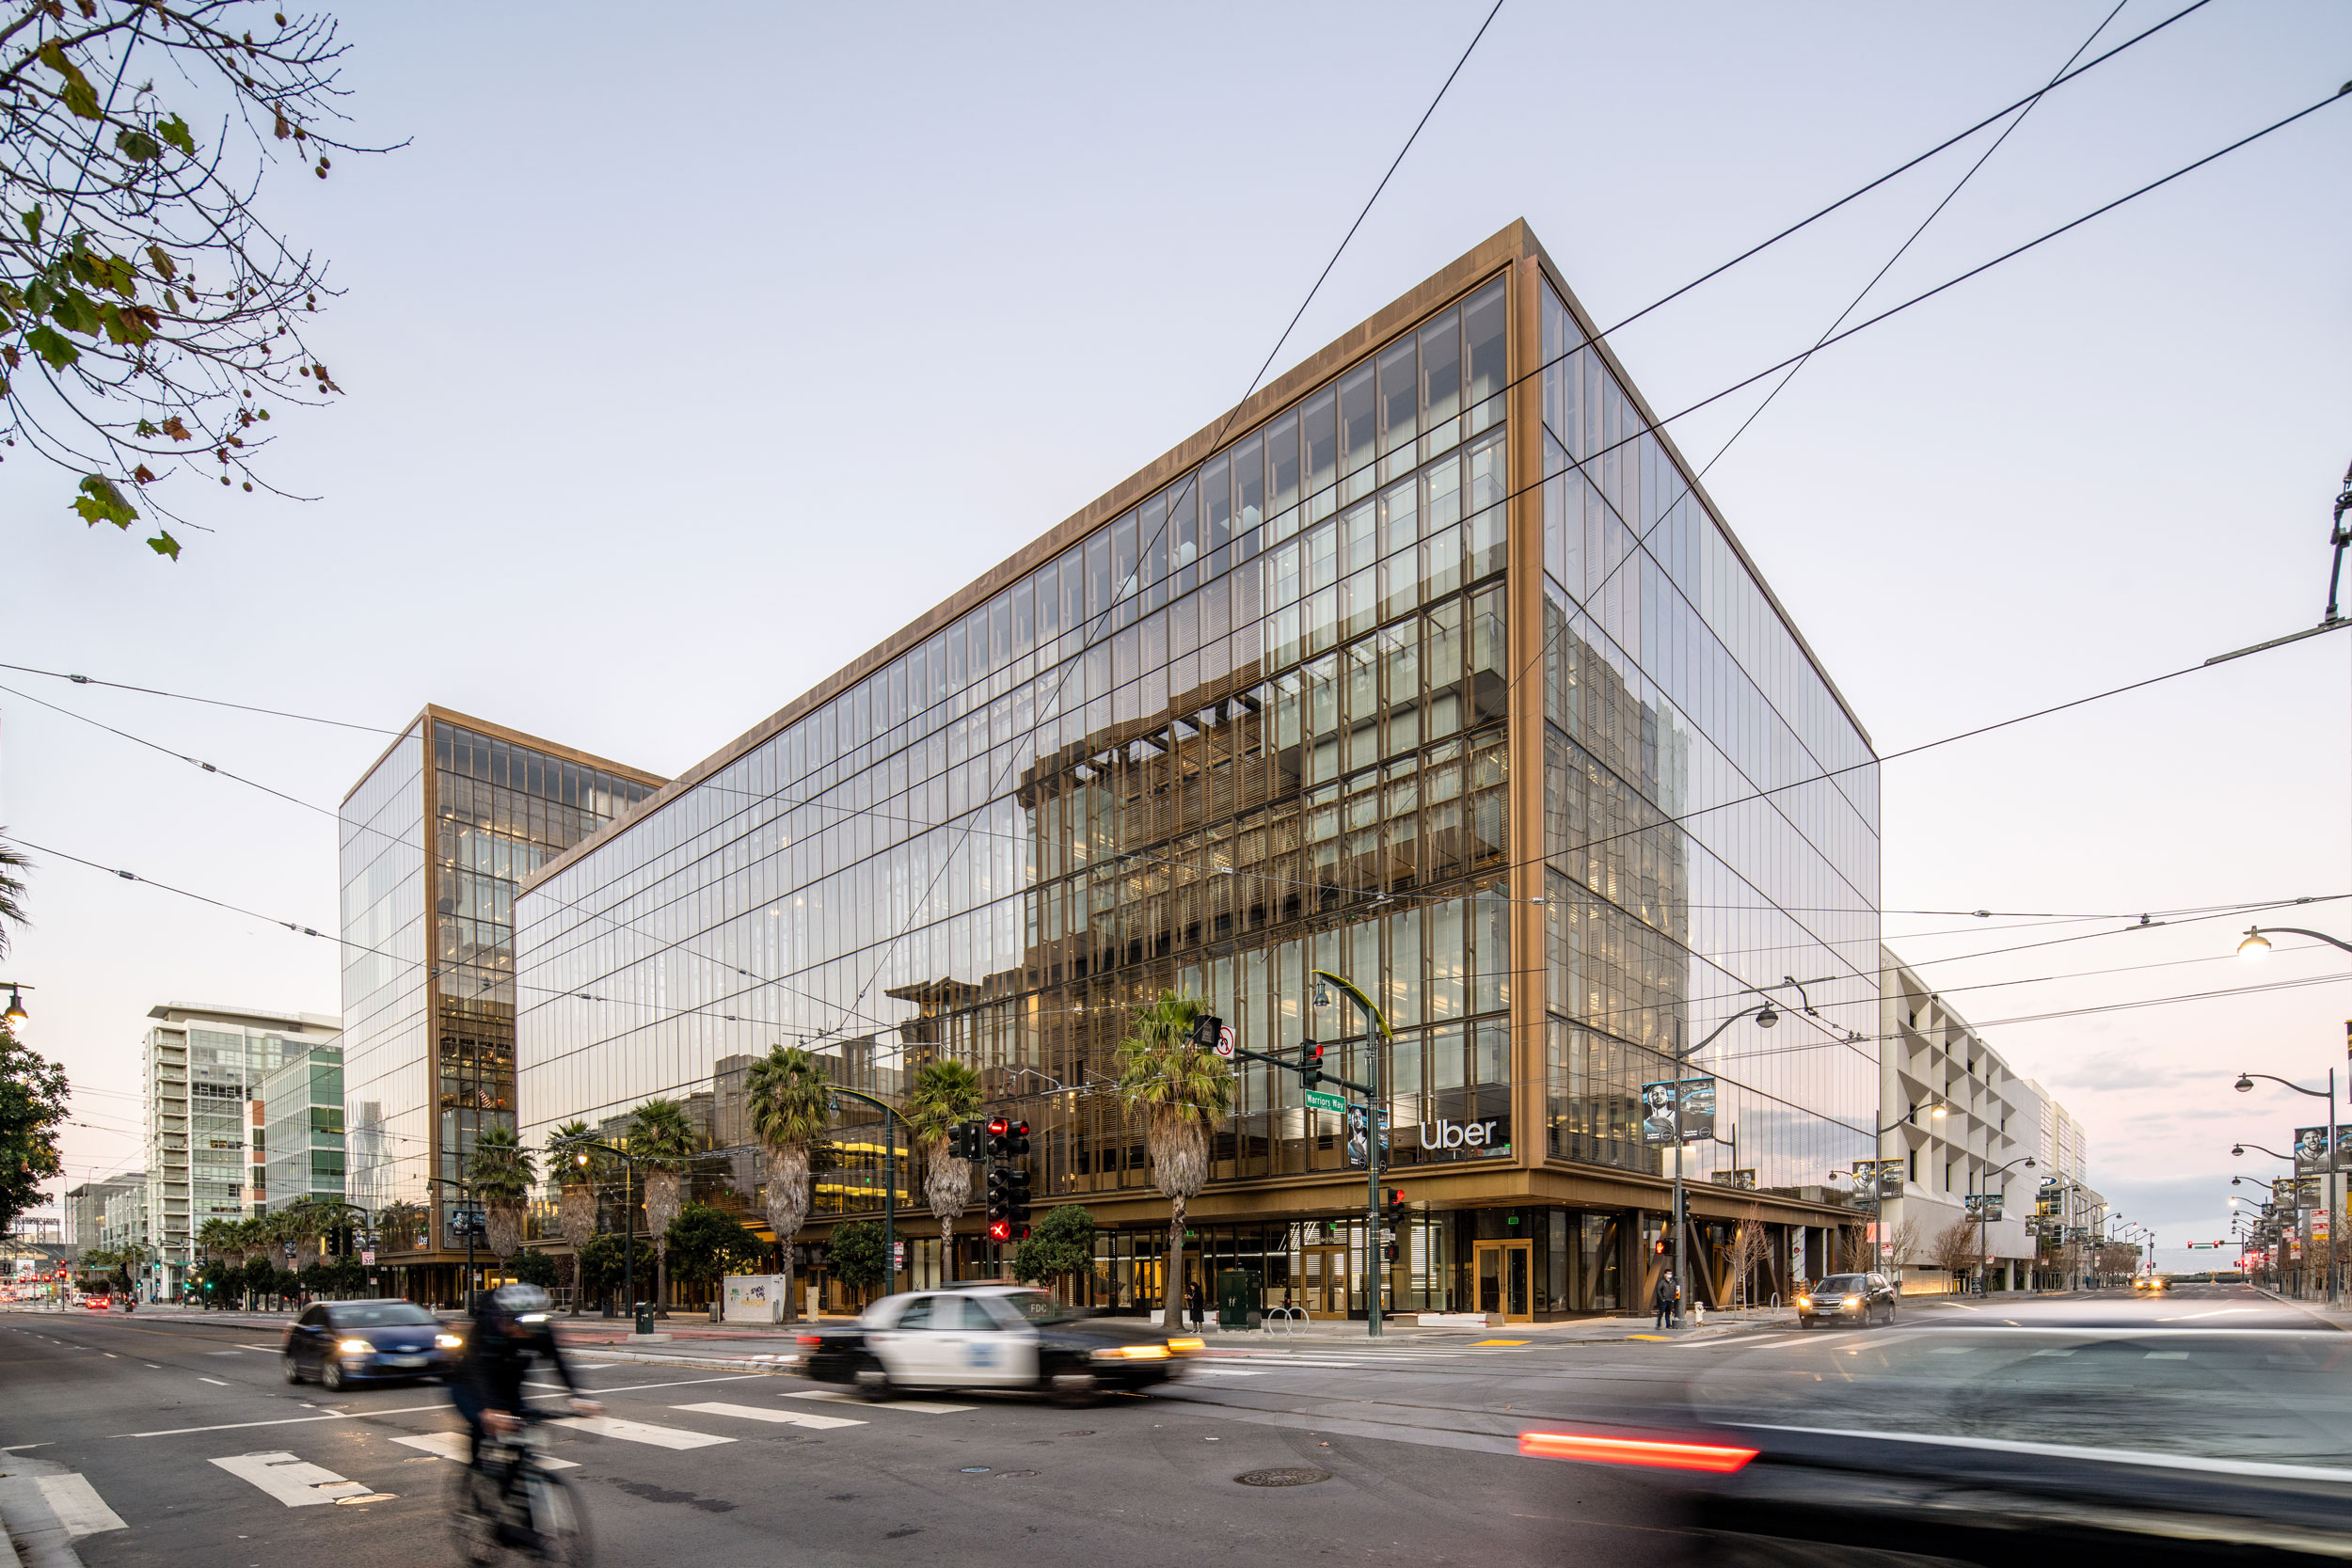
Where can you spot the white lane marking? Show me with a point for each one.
(452, 1446)
(2217, 1312)
(224, 1353)
(782, 1417)
(915, 1407)
(151, 1367)
(110, 1356)
(272, 1349)
(640, 1432)
(293, 1481)
(1224, 1372)
(639, 1388)
(214, 1381)
(2166, 1355)
(1951, 1350)
(287, 1420)
(77, 1505)
(2067, 1352)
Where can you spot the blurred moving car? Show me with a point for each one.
(992, 1337)
(349, 1341)
(1848, 1298)
(2149, 1282)
(97, 1303)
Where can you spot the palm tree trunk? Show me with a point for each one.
(947, 1248)
(1172, 1274)
(661, 1276)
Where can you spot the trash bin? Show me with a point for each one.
(645, 1316)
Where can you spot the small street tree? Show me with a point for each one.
(706, 1244)
(1955, 1247)
(790, 1105)
(855, 1255)
(1179, 1092)
(33, 1105)
(501, 1172)
(1059, 1245)
(603, 1266)
(661, 1140)
(945, 1092)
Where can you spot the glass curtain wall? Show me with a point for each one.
(302, 1110)
(1711, 818)
(381, 828)
(1252, 726)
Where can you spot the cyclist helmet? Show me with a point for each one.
(527, 1302)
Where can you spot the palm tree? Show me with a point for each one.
(304, 1222)
(790, 1107)
(1179, 1092)
(661, 1140)
(214, 1237)
(501, 1172)
(945, 1092)
(12, 861)
(578, 1173)
(402, 1220)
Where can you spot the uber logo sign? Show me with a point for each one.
(1487, 1132)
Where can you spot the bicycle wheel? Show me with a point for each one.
(558, 1520)
(474, 1510)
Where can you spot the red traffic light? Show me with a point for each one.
(999, 1127)
(1000, 1231)
(1020, 1130)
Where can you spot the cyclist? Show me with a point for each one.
(510, 1331)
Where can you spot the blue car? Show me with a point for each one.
(341, 1342)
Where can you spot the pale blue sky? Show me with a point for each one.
(684, 361)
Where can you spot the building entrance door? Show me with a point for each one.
(1504, 1283)
(1323, 1285)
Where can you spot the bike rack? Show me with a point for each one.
(1289, 1317)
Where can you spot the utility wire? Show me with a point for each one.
(210, 702)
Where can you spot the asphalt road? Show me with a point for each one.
(1419, 1440)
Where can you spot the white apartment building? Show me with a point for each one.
(200, 1073)
(1956, 1116)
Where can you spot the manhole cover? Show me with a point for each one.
(1286, 1477)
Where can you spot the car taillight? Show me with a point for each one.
(811, 1340)
(1648, 1453)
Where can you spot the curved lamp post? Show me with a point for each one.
(890, 1182)
(1766, 1017)
(1878, 1181)
(1984, 1219)
(2246, 1083)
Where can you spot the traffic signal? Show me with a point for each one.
(1395, 1222)
(999, 1135)
(1000, 1197)
(1017, 1141)
(1205, 1030)
(1000, 1231)
(1310, 1066)
(1016, 1195)
(959, 1144)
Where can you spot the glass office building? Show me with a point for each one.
(301, 1140)
(428, 958)
(1430, 667)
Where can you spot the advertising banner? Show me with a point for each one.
(2310, 1150)
(1680, 1110)
(2311, 1192)
(1743, 1179)
(1359, 1156)
(1985, 1205)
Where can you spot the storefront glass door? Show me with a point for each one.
(1502, 1275)
(1323, 1286)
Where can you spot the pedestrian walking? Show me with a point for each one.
(1666, 1297)
(1192, 1302)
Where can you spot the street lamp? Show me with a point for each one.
(580, 1149)
(2328, 1137)
(2256, 943)
(1878, 1180)
(1766, 1017)
(16, 1015)
(1984, 1218)
(464, 1195)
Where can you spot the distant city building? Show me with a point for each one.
(1431, 665)
(302, 1123)
(201, 1071)
(85, 1205)
(125, 1224)
(45, 1229)
(1931, 1059)
(433, 838)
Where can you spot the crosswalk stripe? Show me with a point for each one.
(917, 1407)
(214, 1381)
(452, 1446)
(76, 1505)
(782, 1417)
(640, 1432)
(293, 1481)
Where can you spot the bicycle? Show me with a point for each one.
(509, 1501)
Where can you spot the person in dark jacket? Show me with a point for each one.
(510, 1331)
(1665, 1298)
(1192, 1303)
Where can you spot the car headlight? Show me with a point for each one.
(1132, 1353)
(447, 1341)
(355, 1347)
(1851, 1301)
(1805, 1302)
